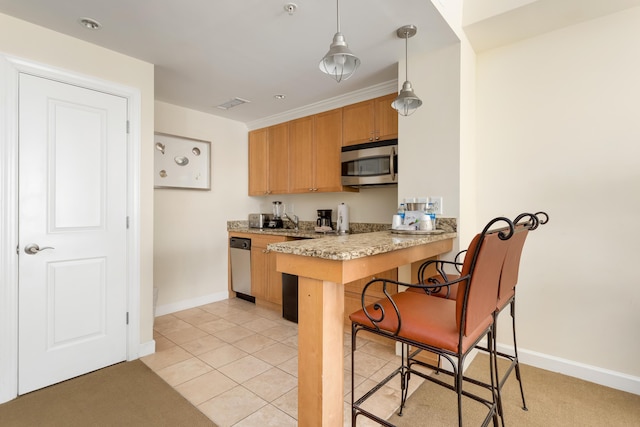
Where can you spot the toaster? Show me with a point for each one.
(259, 220)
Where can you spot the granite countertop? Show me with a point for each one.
(353, 246)
(307, 229)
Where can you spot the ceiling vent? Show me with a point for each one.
(233, 103)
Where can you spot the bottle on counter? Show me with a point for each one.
(401, 211)
(431, 212)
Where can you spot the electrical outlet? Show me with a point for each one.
(437, 204)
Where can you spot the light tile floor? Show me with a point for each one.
(238, 364)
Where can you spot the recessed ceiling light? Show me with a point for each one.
(279, 96)
(233, 103)
(89, 23)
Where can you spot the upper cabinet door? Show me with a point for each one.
(386, 117)
(258, 172)
(369, 121)
(269, 160)
(301, 155)
(279, 159)
(358, 123)
(328, 145)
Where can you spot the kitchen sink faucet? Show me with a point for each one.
(295, 220)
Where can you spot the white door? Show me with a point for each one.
(72, 205)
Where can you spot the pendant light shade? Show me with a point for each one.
(340, 63)
(407, 101)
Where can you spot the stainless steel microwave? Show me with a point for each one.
(370, 164)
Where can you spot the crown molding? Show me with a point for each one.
(326, 105)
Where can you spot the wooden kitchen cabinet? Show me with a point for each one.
(302, 150)
(315, 144)
(258, 168)
(328, 138)
(369, 121)
(269, 160)
(303, 155)
(266, 282)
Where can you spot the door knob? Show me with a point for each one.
(33, 248)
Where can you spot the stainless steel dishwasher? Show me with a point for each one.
(240, 253)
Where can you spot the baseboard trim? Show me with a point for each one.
(191, 303)
(594, 374)
(147, 348)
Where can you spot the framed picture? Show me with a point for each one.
(181, 162)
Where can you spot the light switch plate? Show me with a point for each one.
(437, 204)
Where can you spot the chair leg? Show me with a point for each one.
(515, 349)
(493, 369)
(458, 380)
(353, 349)
(493, 353)
(405, 376)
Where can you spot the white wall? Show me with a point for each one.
(429, 139)
(28, 41)
(190, 228)
(374, 205)
(558, 131)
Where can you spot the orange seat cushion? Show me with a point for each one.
(425, 319)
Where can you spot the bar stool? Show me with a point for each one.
(450, 328)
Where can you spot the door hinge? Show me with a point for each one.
(128, 126)
(127, 317)
(127, 223)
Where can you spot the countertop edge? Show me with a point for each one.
(348, 247)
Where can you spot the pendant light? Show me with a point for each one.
(407, 102)
(340, 63)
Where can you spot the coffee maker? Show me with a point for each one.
(324, 218)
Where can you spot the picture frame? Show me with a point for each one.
(182, 163)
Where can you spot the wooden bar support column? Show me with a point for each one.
(321, 316)
(320, 353)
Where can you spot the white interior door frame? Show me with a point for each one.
(10, 69)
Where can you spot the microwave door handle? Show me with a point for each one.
(391, 168)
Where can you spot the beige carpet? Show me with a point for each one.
(126, 394)
(553, 400)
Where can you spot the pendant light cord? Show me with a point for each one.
(406, 56)
(338, 14)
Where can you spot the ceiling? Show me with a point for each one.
(493, 23)
(207, 52)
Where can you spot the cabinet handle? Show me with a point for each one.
(265, 251)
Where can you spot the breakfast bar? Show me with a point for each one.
(323, 266)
